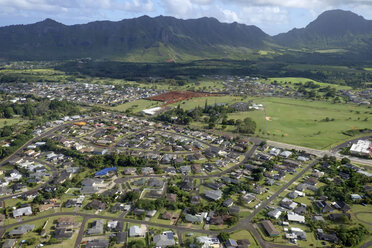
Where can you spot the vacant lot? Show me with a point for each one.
(299, 122)
(136, 106)
(296, 80)
(304, 122)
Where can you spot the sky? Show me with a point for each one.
(272, 16)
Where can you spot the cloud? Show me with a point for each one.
(139, 6)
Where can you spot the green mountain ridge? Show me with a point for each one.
(161, 39)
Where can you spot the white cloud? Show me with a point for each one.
(138, 6)
(178, 8)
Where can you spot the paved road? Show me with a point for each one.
(219, 174)
(347, 143)
(53, 169)
(247, 221)
(366, 245)
(81, 232)
(319, 153)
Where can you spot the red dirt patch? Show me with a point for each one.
(177, 96)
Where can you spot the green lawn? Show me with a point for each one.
(244, 234)
(301, 122)
(11, 122)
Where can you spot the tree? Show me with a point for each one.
(223, 236)
(248, 126)
(8, 112)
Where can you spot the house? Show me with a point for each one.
(106, 172)
(111, 225)
(258, 190)
(96, 228)
(155, 183)
(249, 197)
(167, 215)
(323, 206)
(194, 218)
(22, 211)
(96, 204)
(234, 210)
(97, 243)
(19, 231)
(121, 237)
(9, 243)
(139, 211)
(294, 194)
(130, 171)
(355, 197)
(62, 233)
(185, 169)
(164, 240)
(285, 154)
(291, 163)
(300, 210)
(291, 216)
(196, 168)
(171, 197)
(342, 206)
(209, 242)
(327, 237)
(318, 218)
(269, 228)
(230, 243)
(151, 213)
(140, 182)
(288, 204)
(275, 151)
(228, 203)
(312, 181)
(136, 231)
(187, 184)
(66, 222)
(213, 195)
(297, 233)
(147, 171)
(274, 213)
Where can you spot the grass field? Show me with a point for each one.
(11, 122)
(294, 121)
(300, 122)
(136, 106)
(295, 80)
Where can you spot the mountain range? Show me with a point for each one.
(163, 39)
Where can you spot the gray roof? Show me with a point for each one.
(193, 218)
(22, 230)
(97, 243)
(97, 227)
(213, 194)
(164, 240)
(9, 243)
